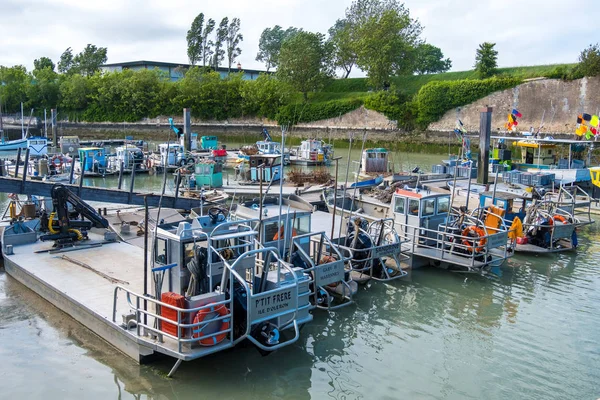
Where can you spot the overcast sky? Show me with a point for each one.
(527, 32)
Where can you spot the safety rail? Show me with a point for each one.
(363, 259)
(552, 216)
(331, 272)
(448, 244)
(574, 200)
(142, 314)
(254, 299)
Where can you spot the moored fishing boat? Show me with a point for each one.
(213, 287)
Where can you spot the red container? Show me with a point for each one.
(521, 240)
(176, 300)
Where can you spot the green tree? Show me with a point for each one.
(13, 87)
(90, 59)
(486, 60)
(269, 45)
(43, 62)
(232, 41)
(304, 62)
(43, 89)
(75, 91)
(589, 61)
(385, 37)
(219, 53)
(194, 39)
(207, 44)
(430, 60)
(344, 54)
(66, 63)
(264, 96)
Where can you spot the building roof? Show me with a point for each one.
(147, 63)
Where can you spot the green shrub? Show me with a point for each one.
(435, 98)
(395, 105)
(293, 114)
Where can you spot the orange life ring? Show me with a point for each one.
(60, 161)
(560, 218)
(327, 259)
(471, 243)
(148, 163)
(201, 316)
(282, 233)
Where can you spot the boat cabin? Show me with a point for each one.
(295, 217)
(209, 174)
(131, 157)
(420, 208)
(93, 159)
(208, 143)
(538, 153)
(513, 204)
(265, 167)
(69, 144)
(374, 161)
(38, 146)
(312, 150)
(171, 154)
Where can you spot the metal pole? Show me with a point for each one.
(81, 176)
(346, 182)
(334, 197)
(146, 218)
(53, 123)
(177, 183)
(17, 162)
(121, 174)
(45, 124)
(72, 170)
(485, 132)
(469, 185)
(280, 237)
(131, 183)
(187, 128)
(25, 169)
(22, 127)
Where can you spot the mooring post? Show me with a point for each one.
(131, 183)
(81, 175)
(187, 128)
(2, 168)
(485, 131)
(25, 170)
(17, 163)
(72, 172)
(54, 133)
(177, 183)
(121, 174)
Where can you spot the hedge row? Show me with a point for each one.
(435, 98)
(293, 114)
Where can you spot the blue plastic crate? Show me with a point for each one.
(438, 169)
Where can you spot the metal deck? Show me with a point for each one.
(86, 295)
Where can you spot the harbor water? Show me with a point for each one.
(527, 330)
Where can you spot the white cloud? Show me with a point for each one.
(527, 32)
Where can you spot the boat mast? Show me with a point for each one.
(1, 126)
(22, 127)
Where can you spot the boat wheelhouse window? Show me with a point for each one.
(302, 224)
(399, 205)
(428, 207)
(443, 205)
(272, 231)
(160, 251)
(413, 207)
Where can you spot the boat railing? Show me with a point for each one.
(384, 243)
(326, 264)
(575, 201)
(452, 243)
(149, 324)
(277, 306)
(557, 223)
